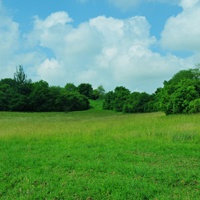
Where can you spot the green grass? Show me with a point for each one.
(99, 154)
(96, 104)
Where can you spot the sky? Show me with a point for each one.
(132, 43)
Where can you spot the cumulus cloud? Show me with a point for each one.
(182, 31)
(45, 32)
(102, 51)
(12, 48)
(188, 3)
(105, 51)
(51, 69)
(9, 41)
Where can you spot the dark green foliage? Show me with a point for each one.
(179, 95)
(45, 98)
(14, 95)
(183, 74)
(70, 87)
(121, 96)
(3, 101)
(98, 93)
(121, 100)
(8, 81)
(75, 101)
(108, 103)
(116, 100)
(40, 97)
(18, 102)
(85, 89)
(194, 106)
(101, 91)
(178, 92)
(20, 94)
(138, 103)
(6, 92)
(95, 94)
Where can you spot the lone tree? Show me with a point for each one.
(19, 76)
(22, 84)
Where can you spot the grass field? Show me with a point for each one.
(99, 154)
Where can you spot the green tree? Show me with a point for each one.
(8, 81)
(75, 102)
(101, 91)
(7, 91)
(13, 98)
(179, 91)
(70, 87)
(98, 93)
(3, 101)
(23, 85)
(121, 96)
(40, 96)
(138, 103)
(95, 94)
(54, 95)
(194, 106)
(184, 94)
(85, 89)
(20, 94)
(109, 100)
(19, 75)
(18, 102)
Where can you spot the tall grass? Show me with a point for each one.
(99, 154)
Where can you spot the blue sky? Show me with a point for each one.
(134, 43)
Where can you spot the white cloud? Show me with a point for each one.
(12, 48)
(188, 3)
(53, 20)
(51, 69)
(105, 51)
(9, 42)
(182, 31)
(45, 32)
(101, 51)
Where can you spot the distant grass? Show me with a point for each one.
(99, 154)
(96, 104)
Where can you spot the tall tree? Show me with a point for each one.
(19, 76)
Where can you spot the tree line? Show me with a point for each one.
(21, 94)
(181, 94)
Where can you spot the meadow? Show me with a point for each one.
(99, 154)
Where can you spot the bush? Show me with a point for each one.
(194, 106)
(75, 102)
